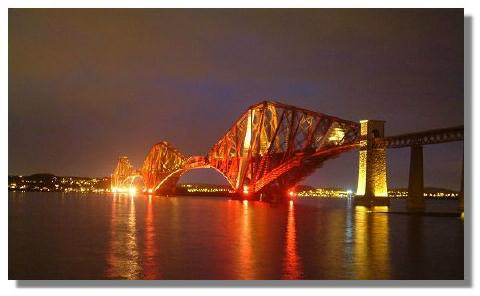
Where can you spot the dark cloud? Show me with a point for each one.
(87, 85)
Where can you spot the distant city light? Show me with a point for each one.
(102, 185)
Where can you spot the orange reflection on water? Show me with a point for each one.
(150, 267)
(132, 250)
(123, 259)
(291, 263)
(371, 249)
(245, 257)
(111, 258)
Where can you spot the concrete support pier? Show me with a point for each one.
(416, 200)
(372, 168)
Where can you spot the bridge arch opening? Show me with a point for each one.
(202, 181)
(203, 176)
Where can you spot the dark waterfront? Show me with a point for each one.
(99, 236)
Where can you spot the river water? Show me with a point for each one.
(96, 236)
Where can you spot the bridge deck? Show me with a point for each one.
(429, 137)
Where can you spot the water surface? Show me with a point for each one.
(94, 236)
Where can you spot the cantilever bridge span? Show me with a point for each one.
(270, 148)
(273, 146)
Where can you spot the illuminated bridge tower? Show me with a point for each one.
(372, 168)
(122, 171)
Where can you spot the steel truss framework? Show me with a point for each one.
(122, 172)
(271, 147)
(161, 161)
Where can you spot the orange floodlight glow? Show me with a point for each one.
(132, 190)
(291, 194)
(245, 189)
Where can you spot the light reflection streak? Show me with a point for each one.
(150, 268)
(349, 237)
(291, 263)
(247, 271)
(132, 242)
(111, 258)
(349, 226)
(361, 244)
(371, 249)
(123, 255)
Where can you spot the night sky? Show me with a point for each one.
(86, 86)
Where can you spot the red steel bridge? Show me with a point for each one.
(271, 147)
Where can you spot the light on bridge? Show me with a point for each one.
(132, 190)
(292, 194)
(245, 189)
(349, 193)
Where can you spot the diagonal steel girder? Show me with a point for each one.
(273, 145)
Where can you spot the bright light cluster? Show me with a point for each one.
(131, 190)
(404, 194)
(336, 135)
(59, 184)
(321, 192)
(206, 190)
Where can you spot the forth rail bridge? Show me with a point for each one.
(273, 146)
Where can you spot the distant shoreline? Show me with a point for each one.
(67, 184)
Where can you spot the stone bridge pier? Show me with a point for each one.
(415, 199)
(372, 168)
(372, 174)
